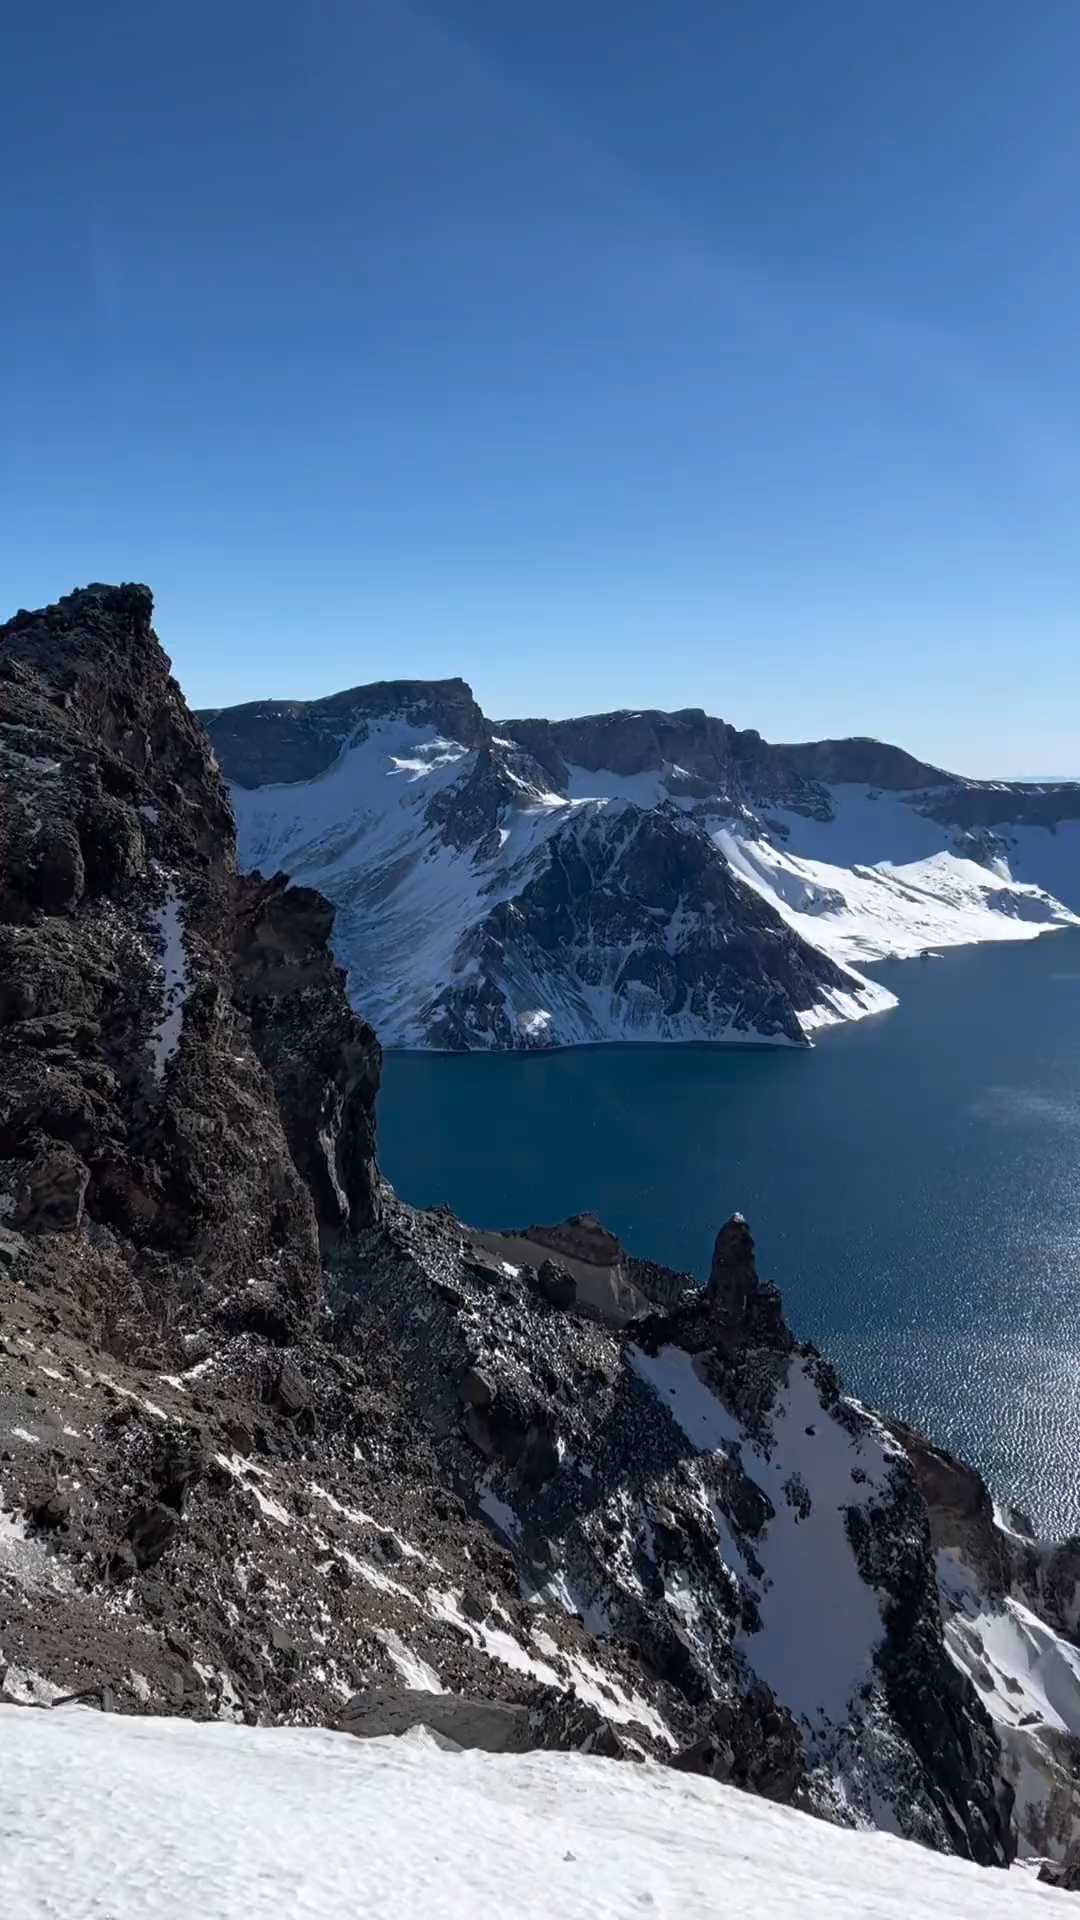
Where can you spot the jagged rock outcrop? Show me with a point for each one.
(695, 1487)
(270, 1440)
(142, 983)
(322, 1060)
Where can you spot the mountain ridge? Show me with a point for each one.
(634, 875)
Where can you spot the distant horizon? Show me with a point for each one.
(642, 706)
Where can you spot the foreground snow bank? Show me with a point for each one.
(142, 1819)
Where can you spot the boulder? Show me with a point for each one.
(492, 1726)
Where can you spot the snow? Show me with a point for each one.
(150, 1406)
(867, 826)
(1019, 1664)
(862, 913)
(360, 833)
(674, 1378)
(127, 1818)
(535, 1021)
(30, 1689)
(176, 981)
(641, 789)
(245, 1475)
(360, 1518)
(415, 1672)
(496, 1509)
(1048, 856)
(495, 1642)
(820, 1619)
(1028, 1679)
(25, 1560)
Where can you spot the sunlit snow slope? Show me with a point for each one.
(143, 1819)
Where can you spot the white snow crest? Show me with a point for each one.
(136, 1818)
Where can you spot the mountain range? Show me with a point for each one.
(276, 1448)
(629, 875)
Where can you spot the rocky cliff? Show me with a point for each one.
(275, 1447)
(149, 995)
(626, 876)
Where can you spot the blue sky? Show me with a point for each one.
(710, 352)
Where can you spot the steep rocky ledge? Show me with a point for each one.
(124, 930)
(274, 1446)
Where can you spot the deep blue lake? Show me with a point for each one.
(913, 1185)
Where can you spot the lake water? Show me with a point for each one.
(913, 1185)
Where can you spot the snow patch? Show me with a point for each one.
(820, 1620)
(415, 1672)
(244, 1475)
(176, 981)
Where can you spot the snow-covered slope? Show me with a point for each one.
(169, 1820)
(630, 877)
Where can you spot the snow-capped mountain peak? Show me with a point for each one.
(633, 876)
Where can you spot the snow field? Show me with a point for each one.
(111, 1818)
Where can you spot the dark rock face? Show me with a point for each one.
(1065, 1875)
(870, 763)
(734, 1312)
(720, 757)
(589, 915)
(749, 1743)
(998, 804)
(596, 1487)
(298, 739)
(323, 1061)
(141, 983)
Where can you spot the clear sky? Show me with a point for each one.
(607, 352)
